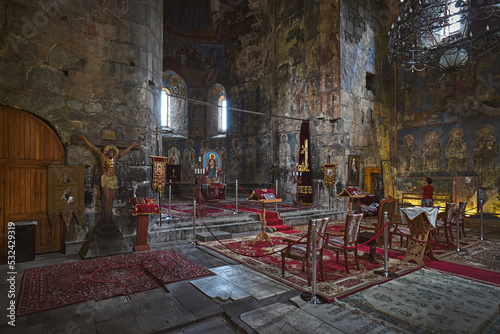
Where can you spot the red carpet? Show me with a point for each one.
(465, 271)
(273, 219)
(267, 259)
(59, 285)
(452, 268)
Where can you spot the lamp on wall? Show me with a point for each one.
(443, 34)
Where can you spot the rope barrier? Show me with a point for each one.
(244, 190)
(248, 255)
(358, 245)
(180, 193)
(288, 193)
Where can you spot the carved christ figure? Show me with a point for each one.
(109, 182)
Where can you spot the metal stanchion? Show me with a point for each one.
(481, 204)
(236, 211)
(458, 231)
(329, 198)
(276, 191)
(169, 197)
(194, 224)
(314, 298)
(386, 272)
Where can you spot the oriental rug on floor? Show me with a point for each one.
(428, 301)
(267, 259)
(59, 285)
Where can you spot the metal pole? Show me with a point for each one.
(458, 228)
(169, 197)
(236, 211)
(159, 203)
(194, 224)
(276, 191)
(329, 198)
(314, 298)
(386, 272)
(481, 204)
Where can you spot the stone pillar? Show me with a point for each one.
(85, 66)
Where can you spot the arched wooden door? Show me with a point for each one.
(27, 147)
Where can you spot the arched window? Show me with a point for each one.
(166, 117)
(173, 104)
(217, 115)
(222, 114)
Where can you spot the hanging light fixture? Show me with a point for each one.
(443, 34)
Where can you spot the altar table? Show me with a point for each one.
(214, 191)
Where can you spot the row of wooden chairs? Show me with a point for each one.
(445, 222)
(346, 241)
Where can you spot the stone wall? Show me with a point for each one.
(291, 63)
(449, 128)
(365, 82)
(85, 66)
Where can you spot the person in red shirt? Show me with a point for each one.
(427, 193)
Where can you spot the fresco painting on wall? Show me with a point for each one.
(388, 178)
(353, 171)
(465, 189)
(442, 185)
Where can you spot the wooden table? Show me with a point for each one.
(419, 221)
(263, 234)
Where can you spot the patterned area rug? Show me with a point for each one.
(184, 209)
(480, 254)
(55, 286)
(267, 259)
(428, 301)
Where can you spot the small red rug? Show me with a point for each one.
(60, 285)
(273, 218)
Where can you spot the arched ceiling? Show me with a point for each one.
(209, 20)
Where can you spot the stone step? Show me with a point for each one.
(182, 229)
(207, 236)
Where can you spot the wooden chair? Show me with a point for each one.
(388, 205)
(445, 221)
(461, 218)
(350, 239)
(303, 251)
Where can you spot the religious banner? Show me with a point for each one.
(66, 194)
(329, 170)
(304, 187)
(159, 163)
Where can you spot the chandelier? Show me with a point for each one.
(443, 34)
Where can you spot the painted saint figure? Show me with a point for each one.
(212, 168)
(431, 153)
(109, 182)
(188, 161)
(484, 152)
(408, 157)
(455, 151)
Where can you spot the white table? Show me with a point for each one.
(418, 220)
(413, 212)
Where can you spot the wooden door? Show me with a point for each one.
(27, 147)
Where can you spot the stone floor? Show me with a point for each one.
(235, 300)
